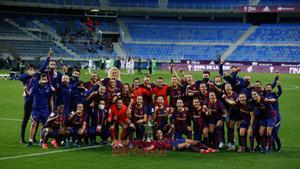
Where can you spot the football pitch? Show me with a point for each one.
(15, 155)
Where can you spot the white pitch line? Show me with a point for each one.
(74, 149)
(289, 87)
(48, 152)
(8, 119)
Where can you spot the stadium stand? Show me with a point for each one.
(7, 30)
(134, 3)
(182, 31)
(63, 2)
(176, 52)
(193, 40)
(59, 25)
(171, 4)
(207, 4)
(279, 2)
(276, 33)
(108, 26)
(266, 54)
(34, 48)
(25, 22)
(87, 50)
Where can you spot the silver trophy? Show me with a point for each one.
(149, 131)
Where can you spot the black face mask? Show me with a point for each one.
(205, 79)
(268, 91)
(247, 82)
(257, 88)
(75, 77)
(65, 83)
(219, 86)
(81, 89)
(51, 69)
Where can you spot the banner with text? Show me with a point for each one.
(266, 9)
(244, 68)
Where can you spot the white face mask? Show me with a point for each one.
(43, 82)
(101, 106)
(218, 83)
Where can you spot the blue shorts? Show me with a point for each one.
(278, 118)
(53, 134)
(74, 131)
(177, 142)
(269, 122)
(214, 120)
(92, 131)
(234, 116)
(40, 116)
(245, 123)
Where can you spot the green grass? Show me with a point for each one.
(11, 105)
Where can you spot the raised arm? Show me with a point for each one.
(275, 80)
(175, 74)
(46, 62)
(279, 92)
(221, 71)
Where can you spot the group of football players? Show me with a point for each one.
(187, 114)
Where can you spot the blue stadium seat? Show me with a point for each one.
(176, 52)
(183, 31)
(279, 2)
(64, 2)
(276, 33)
(266, 54)
(34, 48)
(134, 3)
(207, 4)
(7, 29)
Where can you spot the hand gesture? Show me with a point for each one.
(65, 68)
(92, 105)
(172, 126)
(50, 53)
(55, 73)
(140, 121)
(278, 83)
(115, 118)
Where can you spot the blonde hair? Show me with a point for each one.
(109, 74)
